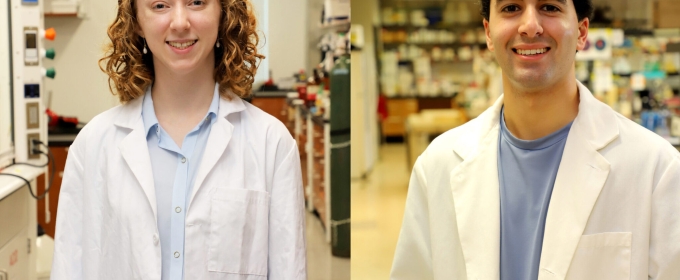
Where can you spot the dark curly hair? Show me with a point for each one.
(584, 8)
(131, 72)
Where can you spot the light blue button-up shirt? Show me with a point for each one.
(527, 172)
(174, 171)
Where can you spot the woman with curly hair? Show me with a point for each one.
(185, 180)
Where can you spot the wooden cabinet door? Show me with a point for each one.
(48, 225)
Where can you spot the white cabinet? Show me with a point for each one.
(64, 8)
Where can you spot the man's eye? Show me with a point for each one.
(550, 8)
(510, 8)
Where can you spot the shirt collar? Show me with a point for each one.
(214, 104)
(149, 114)
(537, 144)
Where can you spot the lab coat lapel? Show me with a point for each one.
(582, 173)
(221, 133)
(134, 150)
(476, 196)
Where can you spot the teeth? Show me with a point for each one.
(181, 46)
(532, 52)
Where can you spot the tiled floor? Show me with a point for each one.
(321, 265)
(377, 212)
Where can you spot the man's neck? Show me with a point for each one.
(534, 113)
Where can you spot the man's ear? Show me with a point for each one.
(582, 34)
(489, 43)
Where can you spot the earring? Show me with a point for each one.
(144, 50)
(218, 44)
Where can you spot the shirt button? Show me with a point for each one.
(177, 209)
(184, 160)
(155, 239)
(176, 254)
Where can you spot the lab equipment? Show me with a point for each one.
(339, 132)
(23, 132)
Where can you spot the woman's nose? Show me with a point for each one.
(180, 19)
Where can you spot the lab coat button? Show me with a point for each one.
(177, 209)
(176, 254)
(184, 159)
(155, 239)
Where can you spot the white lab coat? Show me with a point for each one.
(614, 211)
(245, 218)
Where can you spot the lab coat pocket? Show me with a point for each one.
(239, 226)
(602, 256)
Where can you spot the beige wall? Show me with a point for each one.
(364, 91)
(80, 88)
(287, 37)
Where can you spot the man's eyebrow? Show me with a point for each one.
(564, 2)
(499, 2)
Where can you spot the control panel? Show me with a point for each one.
(31, 46)
(26, 41)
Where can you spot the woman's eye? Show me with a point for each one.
(510, 9)
(198, 3)
(550, 8)
(159, 6)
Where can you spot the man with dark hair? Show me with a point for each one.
(548, 183)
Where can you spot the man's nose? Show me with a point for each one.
(530, 23)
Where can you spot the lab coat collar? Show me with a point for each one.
(132, 111)
(135, 152)
(476, 196)
(580, 178)
(220, 135)
(582, 173)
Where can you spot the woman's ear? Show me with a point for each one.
(139, 32)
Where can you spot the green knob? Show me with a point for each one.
(50, 73)
(50, 53)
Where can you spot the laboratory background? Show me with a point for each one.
(424, 69)
(51, 85)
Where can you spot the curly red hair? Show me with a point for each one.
(131, 72)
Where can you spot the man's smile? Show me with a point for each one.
(530, 51)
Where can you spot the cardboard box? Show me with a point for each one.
(667, 14)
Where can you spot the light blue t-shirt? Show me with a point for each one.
(174, 170)
(526, 172)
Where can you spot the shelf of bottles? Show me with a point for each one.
(309, 118)
(640, 80)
